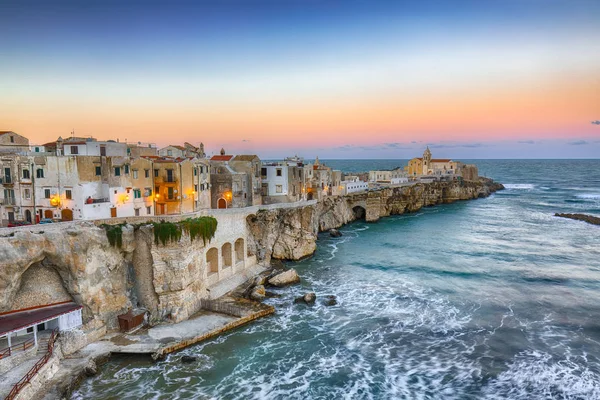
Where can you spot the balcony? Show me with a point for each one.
(7, 180)
(9, 201)
(169, 179)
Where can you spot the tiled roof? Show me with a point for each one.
(221, 158)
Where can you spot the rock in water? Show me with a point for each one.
(288, 277)
(258, 293)
(590, 219)
(330, 300)
(188, 359)
(335, 233)
(90, 369)
(308, 298)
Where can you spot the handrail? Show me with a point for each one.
(35, 369)
(7, 351)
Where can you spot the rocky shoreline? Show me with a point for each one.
(164, 278)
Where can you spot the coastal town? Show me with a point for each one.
(82, 178)
(116, 247)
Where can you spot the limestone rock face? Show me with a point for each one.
(289, 234)
(288, 277)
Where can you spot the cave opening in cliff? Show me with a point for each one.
(359, 212)
(40, 285)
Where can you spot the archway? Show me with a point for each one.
(239, 250)
(212, 260)
(226, 253)
(222, 203)
(27, 215)
(309, 196)
(359, 212)
(67, 215)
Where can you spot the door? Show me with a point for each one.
(28, 215)
(48, 214)
(103, 150)
(67, 215)
(222, 203)
(11, 216)
(113, 212)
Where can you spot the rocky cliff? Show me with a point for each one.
(290, 234)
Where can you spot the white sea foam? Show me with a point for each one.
(520, 186)
(589, 196)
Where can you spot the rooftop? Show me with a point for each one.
(20, 319)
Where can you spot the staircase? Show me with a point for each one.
(43, 339)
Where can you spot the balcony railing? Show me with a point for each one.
(9, 201)
(7, 180)
(169, 179)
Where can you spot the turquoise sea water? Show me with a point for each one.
(493, 298)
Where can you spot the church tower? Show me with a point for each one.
(426, 160)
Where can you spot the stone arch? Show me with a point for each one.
(67, 215)
(28, 216)
(212, 260)
(359, 212)
(221, 203)
(309, 196)
(226, 255)
(239, 251)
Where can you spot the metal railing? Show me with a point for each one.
(9, 201)
(35, 369)
(21, 346)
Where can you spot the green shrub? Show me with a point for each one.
(114, 233)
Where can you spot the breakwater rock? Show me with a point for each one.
(590, 219)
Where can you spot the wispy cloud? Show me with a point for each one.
(578, 142)
(455, 145)
(596, 122)
(526, 142)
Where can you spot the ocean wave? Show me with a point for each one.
(521, 186)
(589, 196)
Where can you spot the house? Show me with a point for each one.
(282, 182)
(393, 177)
(11, 142)
(319, 180)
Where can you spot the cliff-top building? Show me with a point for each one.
(428, 166)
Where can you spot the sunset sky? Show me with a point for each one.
(347, 79)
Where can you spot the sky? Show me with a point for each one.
(337, 79)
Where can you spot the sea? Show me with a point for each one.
(493, 298)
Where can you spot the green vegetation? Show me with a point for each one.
(114, 233)
(165, 232)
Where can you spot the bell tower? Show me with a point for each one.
(426, 160)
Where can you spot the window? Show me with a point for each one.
(137, 212)
(156, 189)
(148, 210)
(68, 194)
(146, 173)
(169, 152)
(196, 188)
(12, 139)
(201, 170)
(156, 173)
(46, 193)
(170, 193)
(103, 150)
(129, 151)
(195, 171)
(74, 150)
(135, 174)
(26, 194)
(137, 193)
(279, 188)
(37, 149)
(117, 171)
(39, 173)
(278, 171)
(98, 171)
(263, 172)
(26, 174)
(126, 168)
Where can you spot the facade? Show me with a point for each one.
(11, 142)
(282, 182)
(235, 181)
(85, 179)
(319, 180)
(393, 176)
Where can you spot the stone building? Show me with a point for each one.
(319, 180)
(235, 181)
(394, 176)
(282, 182)
(428, 166)
(11, 142)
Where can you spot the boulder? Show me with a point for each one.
(258, 293)
(288, 277)
(330, 300)
(271, 294)
(188, 359)
(335, 233)
(90, 369)
(308, 298)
